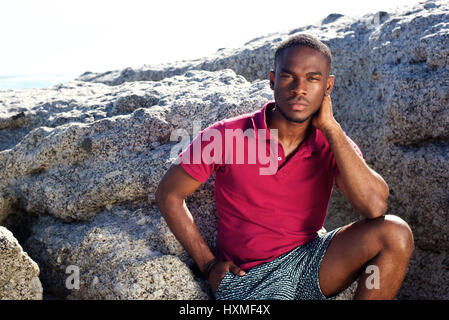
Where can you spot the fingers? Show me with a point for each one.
(219, 270)
(236, 270)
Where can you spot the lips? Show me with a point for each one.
(298, 105)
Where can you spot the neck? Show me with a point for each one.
(289, 132)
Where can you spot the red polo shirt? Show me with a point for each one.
(262, 216)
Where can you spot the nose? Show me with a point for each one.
(299, 87)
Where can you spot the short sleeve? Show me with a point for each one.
(204, 154)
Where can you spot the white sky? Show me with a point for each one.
(74, 36)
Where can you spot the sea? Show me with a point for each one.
(25, 81)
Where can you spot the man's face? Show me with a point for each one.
(300, 81)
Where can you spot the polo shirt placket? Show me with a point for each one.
(305, 150)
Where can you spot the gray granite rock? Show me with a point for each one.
(76, 168)
(124, 252)
(19, 275)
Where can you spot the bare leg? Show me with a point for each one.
(383, 246)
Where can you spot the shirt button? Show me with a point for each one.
(279, 158)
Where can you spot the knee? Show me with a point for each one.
(396, 234)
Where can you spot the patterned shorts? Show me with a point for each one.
(292, 276)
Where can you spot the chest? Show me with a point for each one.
(299, 181)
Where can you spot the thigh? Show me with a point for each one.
(350, 249)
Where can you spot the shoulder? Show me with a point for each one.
(243, 121)
(321, 142)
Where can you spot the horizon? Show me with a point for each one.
(61, 40)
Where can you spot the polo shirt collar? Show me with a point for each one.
(259, 121)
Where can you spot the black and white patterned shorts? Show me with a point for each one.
(291, 276)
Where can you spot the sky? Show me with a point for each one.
(52, 40)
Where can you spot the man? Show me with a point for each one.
(268, 243)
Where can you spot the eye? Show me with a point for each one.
(285, 75)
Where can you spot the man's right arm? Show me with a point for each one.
(174, 187)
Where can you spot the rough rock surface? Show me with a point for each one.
(125, 252)
(73, 169)
(19, 275)
(86, 156)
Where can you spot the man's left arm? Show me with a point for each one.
(364, 188)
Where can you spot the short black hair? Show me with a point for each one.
(304, 40)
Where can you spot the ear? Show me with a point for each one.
(329, 85)
(272, 79)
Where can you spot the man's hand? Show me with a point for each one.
(324, 118)
(219, 271)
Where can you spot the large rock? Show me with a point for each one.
(19, 275)
(125, 252)
(74, 169)
(85, 154)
